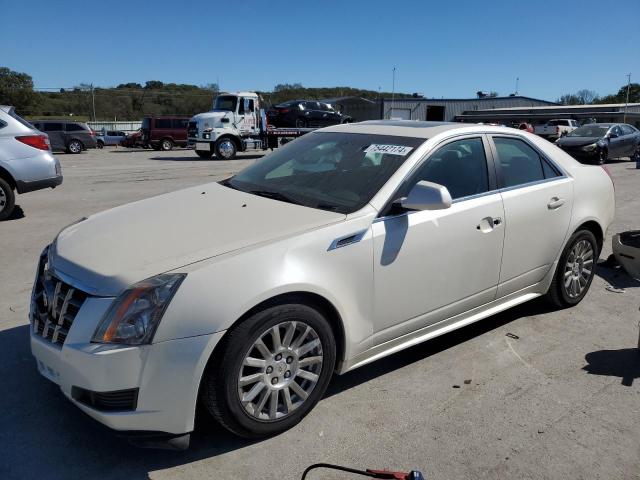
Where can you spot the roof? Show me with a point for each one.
(475, 99)
(398, 128)
(566, 107)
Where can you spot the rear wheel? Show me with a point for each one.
(74, 146)
(166, 144)
(226, 149)
(636, 155)
(575, 270)
(7, 199)
(270, 370)
(301, 123)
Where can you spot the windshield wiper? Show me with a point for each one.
(275, 196)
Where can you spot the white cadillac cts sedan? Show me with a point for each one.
(346, 245)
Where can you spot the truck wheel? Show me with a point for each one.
(166, 144)
(225, 149)
(7, 199)
(204, 154)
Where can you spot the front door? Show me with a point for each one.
(538, 199)
(617, 147)
(431, 265)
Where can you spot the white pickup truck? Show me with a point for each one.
(556, 128)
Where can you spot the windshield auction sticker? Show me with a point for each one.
(388, 149)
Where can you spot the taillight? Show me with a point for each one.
(284, 110)
(41, 142)
(92, 133)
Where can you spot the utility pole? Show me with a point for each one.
(624, 120)
(517, 80)
(93, 101)
(393, 92)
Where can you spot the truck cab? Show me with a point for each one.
(236, 123)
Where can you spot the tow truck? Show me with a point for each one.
(237, 123)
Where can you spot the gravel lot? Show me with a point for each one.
(557, 398)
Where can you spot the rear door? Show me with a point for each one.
(56, 135)
(538, 198)
(629, 140)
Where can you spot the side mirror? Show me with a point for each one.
(427, 196)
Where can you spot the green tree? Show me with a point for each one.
(16, 89)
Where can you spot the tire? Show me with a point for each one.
(301, 123)
(99, 144)
(563, 291)
(7, 200)
(75, 146)
(603, 155)
(203, 154)
(635, 157)
(254, 417)
(226, 148)
(166, 144)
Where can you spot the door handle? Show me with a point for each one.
(555, 203)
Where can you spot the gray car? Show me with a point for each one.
(26, 162)
(66, 136)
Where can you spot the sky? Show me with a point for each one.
(444, 48)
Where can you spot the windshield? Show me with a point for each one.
(589, 131)
(339, 172)
(226, 103)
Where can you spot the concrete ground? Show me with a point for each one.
(529, 393)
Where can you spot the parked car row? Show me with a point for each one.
(599, 142)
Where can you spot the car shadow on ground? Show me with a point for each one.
(45, 436)
(17, 214)
(195, 158)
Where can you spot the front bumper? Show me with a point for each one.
(166, 374)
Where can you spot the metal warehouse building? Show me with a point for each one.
(447, 109)
(614, 112)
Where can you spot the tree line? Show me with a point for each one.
(132, 101)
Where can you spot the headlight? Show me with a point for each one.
(134, 316)
(589, 148)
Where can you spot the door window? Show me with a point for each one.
(627, 130)
(180, 123)
(617, 130)
(52, 127)
(461, 166)
(520, 163)
(74, 127)
(163, 123)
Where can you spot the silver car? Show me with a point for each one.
(26, 161)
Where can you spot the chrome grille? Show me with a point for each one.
(54, 305)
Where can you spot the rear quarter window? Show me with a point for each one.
(163, 123)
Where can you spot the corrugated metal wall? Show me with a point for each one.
(418, 107)
(121, 126)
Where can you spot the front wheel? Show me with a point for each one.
(74, 146)
(602, 156)
(166, 145)
(575, 270)
(270, 370)
(100, 144)
(225, 149)
(7, 199)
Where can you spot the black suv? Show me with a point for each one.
(305, 113)
(71, 137)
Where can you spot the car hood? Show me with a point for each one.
(109, 251)
(576, 141)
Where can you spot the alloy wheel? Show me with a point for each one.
(280, 370)
(75, 147)
(578, 268)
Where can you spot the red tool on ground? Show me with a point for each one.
(385, 474)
